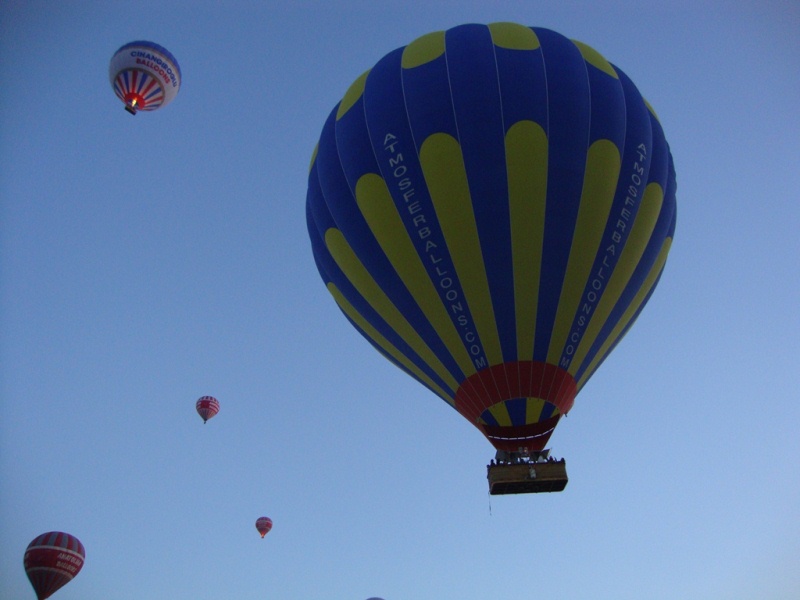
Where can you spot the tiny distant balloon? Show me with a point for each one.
(207, 407)
(263, 524)
(145, 76)
(52, 560)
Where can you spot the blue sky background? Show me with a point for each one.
(147, 261)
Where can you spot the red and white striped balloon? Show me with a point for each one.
(207, 407)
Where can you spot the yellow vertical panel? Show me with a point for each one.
(526, 162)
(443, 166)
(635, 246)
(386, 224)
(599, 185)
(500, 413)
(533, 410)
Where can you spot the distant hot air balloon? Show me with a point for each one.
(52, 560)
(263, 524)
(207, 407)
(145, 76)
(491, 207)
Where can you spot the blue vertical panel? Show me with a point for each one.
(429, 111)
(523, 86)
(357, 160)
(473, 80)
(395, 153)
(569, 112)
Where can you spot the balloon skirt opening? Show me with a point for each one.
(517, 405)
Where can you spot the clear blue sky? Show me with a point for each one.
(147, 261)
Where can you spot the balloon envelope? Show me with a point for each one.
(491, 207)
(144, 75)
(263, 525)
(207, 407)
(52, 560)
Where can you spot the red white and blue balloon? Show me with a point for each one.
(145, 76)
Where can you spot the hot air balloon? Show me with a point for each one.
(263, 524)
(491, 207)
(207, 407)
(52, 560)
(145, 76)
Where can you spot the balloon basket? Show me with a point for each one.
(527, 477)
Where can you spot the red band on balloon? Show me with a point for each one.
(523, 379)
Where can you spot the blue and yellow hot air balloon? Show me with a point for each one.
(491, 207)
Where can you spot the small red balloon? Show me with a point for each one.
(263, 524)
(52, 560)
(207, 407)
